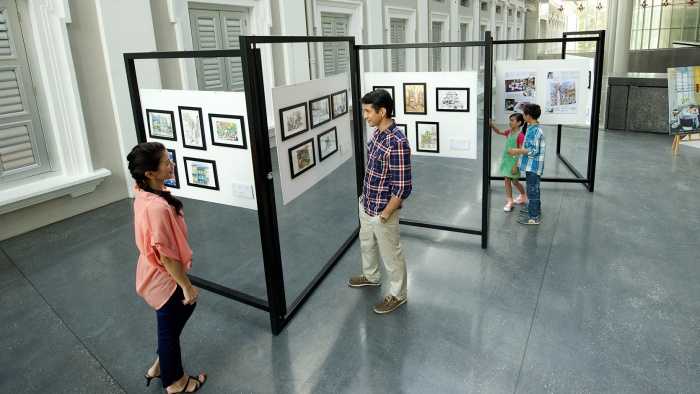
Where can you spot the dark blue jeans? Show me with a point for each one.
(171, 320)
(533, 194)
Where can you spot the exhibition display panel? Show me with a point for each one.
(301, 175)
(561, 88)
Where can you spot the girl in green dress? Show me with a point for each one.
(509, 164)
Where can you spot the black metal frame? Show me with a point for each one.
(589, 179)
(488, 42)
(275, 305)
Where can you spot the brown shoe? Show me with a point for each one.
(389, 305)
(361, 281)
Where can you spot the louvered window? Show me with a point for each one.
(398, 36)
(336, 58)
(22, 146)
(212, 29)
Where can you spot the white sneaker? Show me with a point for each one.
(508, 207)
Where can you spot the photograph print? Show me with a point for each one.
(302, 158)
(519, 89)
(390, 90)
(294, 120)
(228, 130)
(428, 137)
(340, 103)
(561, 93)
(684, 100)
(452, 99)
(327, 143)
(201, 173)
(414, 99)
(175, 181)
(320, 111)
(192, 127)
(161, 124)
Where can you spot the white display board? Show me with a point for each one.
(562, 88)
(311, 143)
(443, 104)
(219, 167)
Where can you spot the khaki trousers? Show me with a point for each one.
(377, 239)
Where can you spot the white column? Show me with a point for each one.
(476, 25)
(296, 56)
(375, 34)
(454, 34)
(423, 16)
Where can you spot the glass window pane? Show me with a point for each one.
(663, 40)
(675, 35)
(676, 17)
(666, 17)
(691, 17)
(645, 39)
(656, 18)
(689, 34)
(647, 18)
(654, 39)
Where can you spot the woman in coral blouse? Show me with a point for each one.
(165, 258)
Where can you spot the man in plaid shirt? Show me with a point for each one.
(387, 183)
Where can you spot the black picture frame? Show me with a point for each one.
(321, 157)
(333, 114)
(437, 145)
(180, 108)
(405, 128)
(391, 91)
(173, 157)
(240, 119)
(283, 131)
(187, 173)
(437, 99)
(425, 99)
(291, 158)
(311, 110)
(172, 121)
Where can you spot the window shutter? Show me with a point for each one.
(22, 146)
(234, 25)
(206, 34)
(398, 36)
(336, 57)
(437, 52)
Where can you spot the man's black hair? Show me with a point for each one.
(379, 98)
(533, 110)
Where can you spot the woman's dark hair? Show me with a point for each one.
(144, 157)
(520, 119)
(379, 98)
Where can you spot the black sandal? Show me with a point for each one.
(149, 378)
(196, 388)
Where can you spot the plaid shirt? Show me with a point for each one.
(388, 170)
(535, 145)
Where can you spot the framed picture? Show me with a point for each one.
(389, 89)
(320, 111)
(294, 120)
(227, 130)
(428, 137)
(192, 127)
(452, 99)
(201, 173)
(161, 124)
(340, 103)
(414, 99)
(173, 182)
(327, 143)
(302, 158)
(402, 127)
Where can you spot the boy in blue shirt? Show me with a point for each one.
(532, 162)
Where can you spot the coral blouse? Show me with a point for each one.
(159, 232)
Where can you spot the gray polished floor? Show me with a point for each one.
(602, 297)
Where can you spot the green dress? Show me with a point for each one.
(509, 161)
